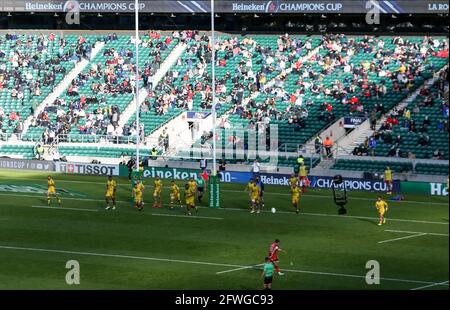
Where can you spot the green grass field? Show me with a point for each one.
(219, 249)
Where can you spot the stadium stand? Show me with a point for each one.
(30, 66)
(94, 101)
(302, 84)
(420, 130)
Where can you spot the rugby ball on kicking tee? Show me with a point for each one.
(274, 210)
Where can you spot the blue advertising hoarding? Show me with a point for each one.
(321, 182)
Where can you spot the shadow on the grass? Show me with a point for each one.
(373, 222)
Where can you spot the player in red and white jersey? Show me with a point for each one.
(274, 249)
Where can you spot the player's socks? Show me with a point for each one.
(48, 201)
(379, 224)
(384, 221)
(59, 202)
(277, 269)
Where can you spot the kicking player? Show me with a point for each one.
(267, 273)
(110, 195)
(388, 179)
(138, 192)
(295, 192)
(189, 195)
(51, 191)
(273, 255)
(255, 198)
(260, 185)
(174, 194)
(157, 193)
(382, 208)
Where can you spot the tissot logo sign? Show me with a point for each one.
(94, 169)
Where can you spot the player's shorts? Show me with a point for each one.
(268, 280)
(200, 189)
(157, 192)
(175, 196)
(109, 195)
(388, 181)
(255, 199)
(274, 258)
(138, 200)
(382, 211)
(190, 201)
(51, 191)
(295, 200)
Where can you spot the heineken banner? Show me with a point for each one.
(424, 188)
(316, 181)
(228, 6)
(165, 173)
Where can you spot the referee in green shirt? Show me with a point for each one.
(267, 274)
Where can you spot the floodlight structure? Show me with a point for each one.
(340, 194)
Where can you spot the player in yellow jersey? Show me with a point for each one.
(138, 192)
(157, 193)
(293, 180)
(51, 191)
(189, 195)
(303, 173)
(382, 208)
(174, 194)
(388, 179)
(255, 197)
(295, 192)
(248, 188)
(192, 184)
(110, 195)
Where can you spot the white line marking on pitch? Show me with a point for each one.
(189, 216)
(407, 237)
(240, 268)
(416, 232)
(62, 208)
(235, 209)
(429, 285)
(201, 263)
(344, 216)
